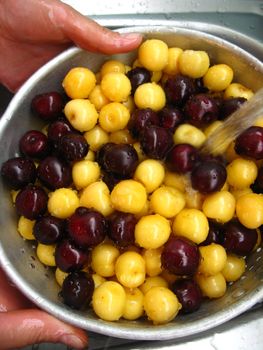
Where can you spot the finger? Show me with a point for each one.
(10, 297)
(89, 35)
(27, 327)
(35, 55)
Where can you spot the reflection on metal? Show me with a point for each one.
(133, 7)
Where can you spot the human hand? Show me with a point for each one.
(23, 324)
(32, 32)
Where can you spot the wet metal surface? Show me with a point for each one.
(240, 22)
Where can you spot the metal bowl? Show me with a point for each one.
(18, 257)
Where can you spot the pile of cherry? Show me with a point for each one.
(55, 152)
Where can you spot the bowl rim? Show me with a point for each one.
(99, 326)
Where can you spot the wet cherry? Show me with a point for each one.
(178, 89)
(69, 257)
(18, 172)
(77, 290)
(188, 293)
(31, 202)
(49, 229)
(182, 158)
(119, 159)
(208, 176)
(48, 106)
(239, 239)
(138, 76)
(258, 185)
(156, 142)
(229, 106)
(87, 227)
(140, 119)
(201, 109)
(180, 256)
(110, 179)
(54, 173)
(57, 129)
(215, 234)
(121, 228)
(34, 144)
(170, 117)
(73, 146)
(250, 143)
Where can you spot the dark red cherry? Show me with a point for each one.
(258, 184)
(140, 119)
(188, 293)
(73, 146)
(119, 159)
(170, 117)
(87, 227)
(18, 172)
(31, 202)
(182, 158)
(110, 180)
(156, 142)
(200, 88)
(69, 257)
(34, 144)
(215, 234)
(208, 176)
(102, 151)
(180, 256)
(178, 89)
(138, 76)
(250, 143)
(121, 228)
(238, 239)
(49, 229)
(57, 129)
(201, 109)
(77, 290)
(229, 106)
(48, 106)
(54, 173)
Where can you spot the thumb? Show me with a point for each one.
(89, 35)
(32, 326)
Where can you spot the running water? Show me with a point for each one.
(234, 125)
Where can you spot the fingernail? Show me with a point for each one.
(73, 341)
(132, 36)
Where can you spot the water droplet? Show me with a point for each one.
(238, 293)
(258, 250)
(22, 250)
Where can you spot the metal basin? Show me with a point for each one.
(18, 256)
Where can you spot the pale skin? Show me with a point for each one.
(31, 33)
